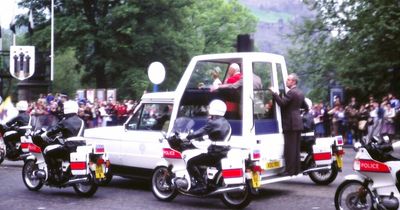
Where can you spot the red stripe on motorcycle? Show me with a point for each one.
(170, 153)
(232, 173)
(24, 145)
(34, 148)
(373, 166)
(78, 165)
(322, 156)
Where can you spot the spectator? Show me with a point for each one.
(122, 113)
(112, 113)
(335, 119)
(104, 117)
(388, 127)
(352, 120)
(353, 103)
(376, 115)
(362, 117)
(327, 120)
(318, 120)
(49, 98)
(130, 106)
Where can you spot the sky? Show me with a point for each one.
(8, 8)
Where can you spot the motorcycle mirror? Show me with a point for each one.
(164, 134)
(386, 139)
(357, 145)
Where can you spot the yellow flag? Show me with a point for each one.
(6, 103)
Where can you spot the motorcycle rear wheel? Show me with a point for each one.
(351, 194)
(30, 181)
(235, 200)
(86, 189)
(325, 177)
(160, 187)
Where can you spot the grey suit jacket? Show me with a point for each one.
(290, 108)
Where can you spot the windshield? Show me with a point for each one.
(183, 125)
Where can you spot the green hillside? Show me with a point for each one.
(270, 16)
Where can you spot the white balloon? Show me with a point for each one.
(156, 72)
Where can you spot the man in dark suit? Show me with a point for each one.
(292, 123)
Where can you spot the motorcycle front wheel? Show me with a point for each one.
(161, 185)
(3, 150)
(30, 180)
(235, 200)
(351, 194)
(2, 155)
(86, 189)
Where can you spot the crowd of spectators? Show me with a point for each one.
(357, 121)
(47, 110)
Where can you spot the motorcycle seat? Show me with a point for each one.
(306, 143)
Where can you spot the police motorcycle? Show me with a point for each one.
(227, 178)
(12, 131)
(82, 168)
(321, 159)
(12, 151)
(376, 182)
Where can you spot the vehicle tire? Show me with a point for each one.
(3, 150)
(2, 155)
(351, 194)
(236, 200)
(30, 181)
(86, 189)
(160, 187)
(323, 177)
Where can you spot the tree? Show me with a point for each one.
(116, 40)
(356, 43)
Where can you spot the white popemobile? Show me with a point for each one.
(134, 149)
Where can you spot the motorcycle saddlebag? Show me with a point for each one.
(233, 168)
(79, 165)
(322, 154)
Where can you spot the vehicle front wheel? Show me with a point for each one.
(3, 150)
(161, 185)
(86, 189)
(2, 155)
(351, 194)
(323, 177)
(31, 181)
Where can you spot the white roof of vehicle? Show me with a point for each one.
(158, 97)
(244, 55)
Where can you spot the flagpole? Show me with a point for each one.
(14, 34)
(52, 43)
(1, 45)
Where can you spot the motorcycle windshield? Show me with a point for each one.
(183, 125)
